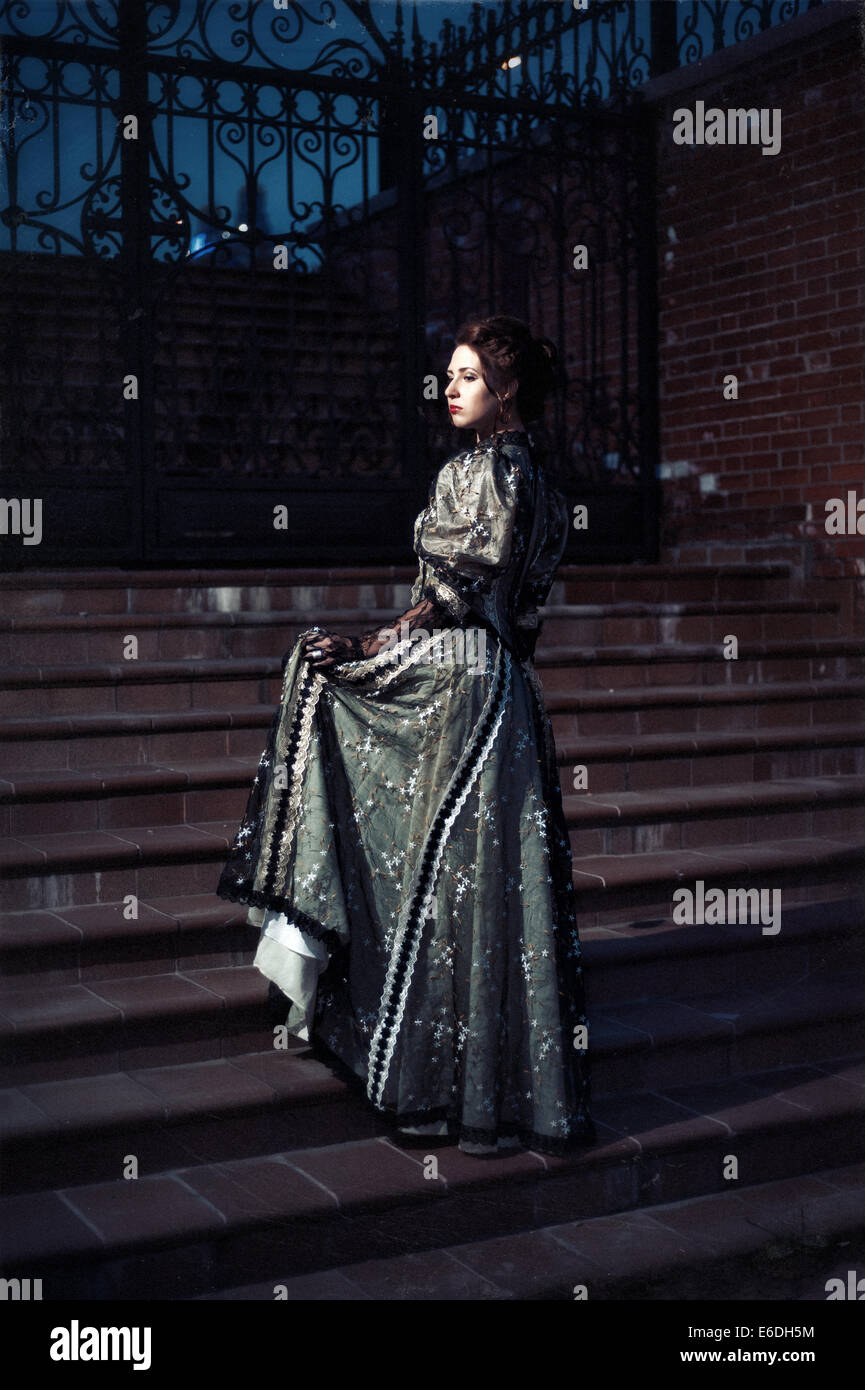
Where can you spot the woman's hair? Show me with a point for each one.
(507, 351)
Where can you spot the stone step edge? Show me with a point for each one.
(20, 786)
(117, 723)
(250, 993)
(583, 808)
(245, 668)
(590, 809)
(340, 574)
(313, 1082)
(720, 1250)
(594, 701)
(292, 617)
(210, 1224)
(813, 923)
(84, 851)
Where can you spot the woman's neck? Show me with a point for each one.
(513, 426)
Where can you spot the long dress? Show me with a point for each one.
(404, 846)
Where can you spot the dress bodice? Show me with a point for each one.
(491, 536)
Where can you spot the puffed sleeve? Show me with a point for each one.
(550, 547)
(466, 535)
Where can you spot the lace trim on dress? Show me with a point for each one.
(440, 592)
(300, 761)
(407, 939)
(295, 762)
(403, 656)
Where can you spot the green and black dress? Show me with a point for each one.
(404, 847)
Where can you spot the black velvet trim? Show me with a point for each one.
(256, 897)
(290, 757)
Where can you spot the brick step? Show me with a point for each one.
(713, 757)
(626, 960)
(170, 636)
(125, 591)
(133, 685)
(626, 715)
(777, 1240)
(174, 637)
(174, 1017)
(92, 741)
(670, 583)
(92, 592)
(604, 822)
(107, 796)
(78, 867)
(214, 1225)
(615, 625)
(794, 659)
(672, 818)
(665, 709)
(129, 685)
(99, 941)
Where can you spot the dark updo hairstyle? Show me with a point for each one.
(507, 351)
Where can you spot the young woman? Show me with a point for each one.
(404, 848)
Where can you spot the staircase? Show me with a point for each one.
(136, 1030)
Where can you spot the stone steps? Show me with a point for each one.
(198, 1228)
(76, 867)
(248, 633)
(382, 586)
(629, 959)
(70, 1030)
(630, 717)
(671, 818)
(777, 1240)
(152, 685)
(106, 797)
(151, 1034)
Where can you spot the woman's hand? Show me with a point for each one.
(325, 649)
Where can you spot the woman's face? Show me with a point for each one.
(472, 405)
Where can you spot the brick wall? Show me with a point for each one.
(763, 275)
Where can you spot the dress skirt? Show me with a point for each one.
(405, 851)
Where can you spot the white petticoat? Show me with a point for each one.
(293, 960)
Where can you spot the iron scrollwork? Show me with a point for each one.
(291, 134)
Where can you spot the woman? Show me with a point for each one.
(404, 847)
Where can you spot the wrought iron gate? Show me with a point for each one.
(239, 237)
